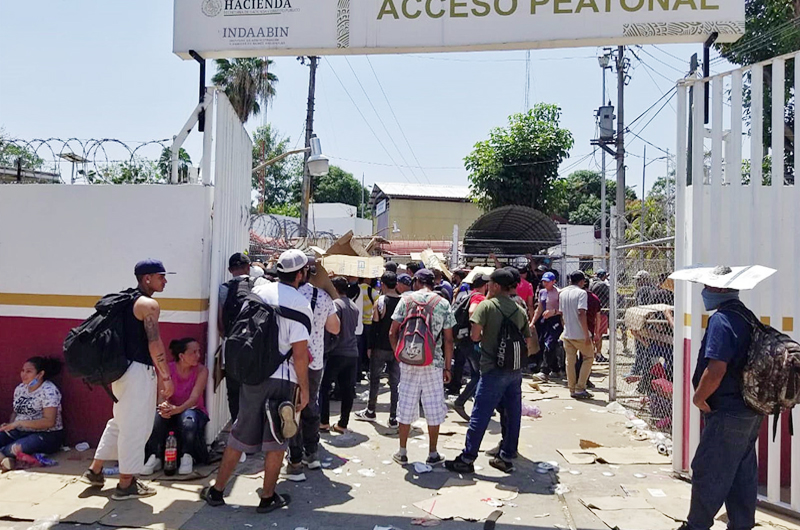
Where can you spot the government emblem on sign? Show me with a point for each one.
(212, 8)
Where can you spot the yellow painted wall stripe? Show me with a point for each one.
(788, 324)
(71, 300)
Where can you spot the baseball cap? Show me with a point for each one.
(480, 280)
(601, 273)
(575, 276)
(238, 260)
(548, 277)
(424, 275)
(502, 277)
(641, 275)
(292, 260)
(405, 279)
(150, 266)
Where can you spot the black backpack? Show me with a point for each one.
(238, 289)
(95, 350)
(512, 347)
(461, 313)
(251, 348)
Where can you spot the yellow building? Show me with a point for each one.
(421, 211)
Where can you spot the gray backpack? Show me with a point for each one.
(771, 375)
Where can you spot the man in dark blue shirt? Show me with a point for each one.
(724, 469)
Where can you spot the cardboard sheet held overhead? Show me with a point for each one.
(357, 266)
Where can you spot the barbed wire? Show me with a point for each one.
(94, 160)
(272, 233)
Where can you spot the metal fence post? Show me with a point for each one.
(612, 317)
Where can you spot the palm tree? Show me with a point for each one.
(248, 83)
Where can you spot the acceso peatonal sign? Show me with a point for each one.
(247, 28)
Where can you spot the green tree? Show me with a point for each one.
(659, 220)
(248, 83)
(165, 164)
(577, 197)
(11, 152)
(274, 182)
(519, 163)
(337, 186)
(772, 28)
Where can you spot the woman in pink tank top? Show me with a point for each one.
(184, 413)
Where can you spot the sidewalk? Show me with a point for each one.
(361, 487)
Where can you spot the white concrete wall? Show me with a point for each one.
(577, 240)
(85, 240)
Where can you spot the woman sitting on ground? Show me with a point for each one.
(184, 413)
(35, 425)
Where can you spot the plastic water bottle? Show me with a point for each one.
(171, 455)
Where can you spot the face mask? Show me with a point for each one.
(34, 382)
(712, 301)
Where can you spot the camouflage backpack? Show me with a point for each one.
(771, 375)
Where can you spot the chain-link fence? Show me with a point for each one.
(641, 331)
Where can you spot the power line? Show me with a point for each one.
(367, 122)
(761, 41)
(667, 53)
(380, 120)
(660, 61)
(668, 93)
(402, 132)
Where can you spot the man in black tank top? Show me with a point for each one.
(380, 352)
(126, 434)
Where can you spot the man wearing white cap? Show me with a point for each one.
(270, 432)
(724, 469)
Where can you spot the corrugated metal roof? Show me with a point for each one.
(421, 191)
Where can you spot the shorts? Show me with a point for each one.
(421, 383)
(601, 326)
(258, 425)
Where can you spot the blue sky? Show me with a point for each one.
(105, 69)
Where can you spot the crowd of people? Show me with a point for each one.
(412, 324)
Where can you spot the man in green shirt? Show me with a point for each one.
(500, 386)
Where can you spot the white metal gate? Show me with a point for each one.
(740, 207)
(227, 142)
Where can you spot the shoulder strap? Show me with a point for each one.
(314, 299)
(293, 314)
(740, 309)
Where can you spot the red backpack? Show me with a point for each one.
(417, 343)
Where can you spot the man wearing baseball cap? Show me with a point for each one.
(255, 430)
(547, 319)
(472, 354)
(126, 433)
(404, 283)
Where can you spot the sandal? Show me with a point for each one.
(341, 430)
(325, 428)
(273, 503)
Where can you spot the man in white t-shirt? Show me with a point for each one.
(270, 432)
(573, 304)
(303, 446)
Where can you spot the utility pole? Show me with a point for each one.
(690, 145)
(307, 184)
(620, 155)
(644, 173)
(603, 199)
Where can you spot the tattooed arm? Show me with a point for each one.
(148, 311)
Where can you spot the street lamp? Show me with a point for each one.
(317, 163)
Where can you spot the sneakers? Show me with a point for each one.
(400, 459)
(393, 423)
(503, 465)
(212, 496)
(435, 460)
(294, 472)
(461, 411)
(541, 377)
(288, 420)
(459, 465)
(582, 395)
(152, 465)
(186, 466)
(589, 384)
(136, 490)
(93, 479)
(7, 464)
(366, 415)
(311, 461)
